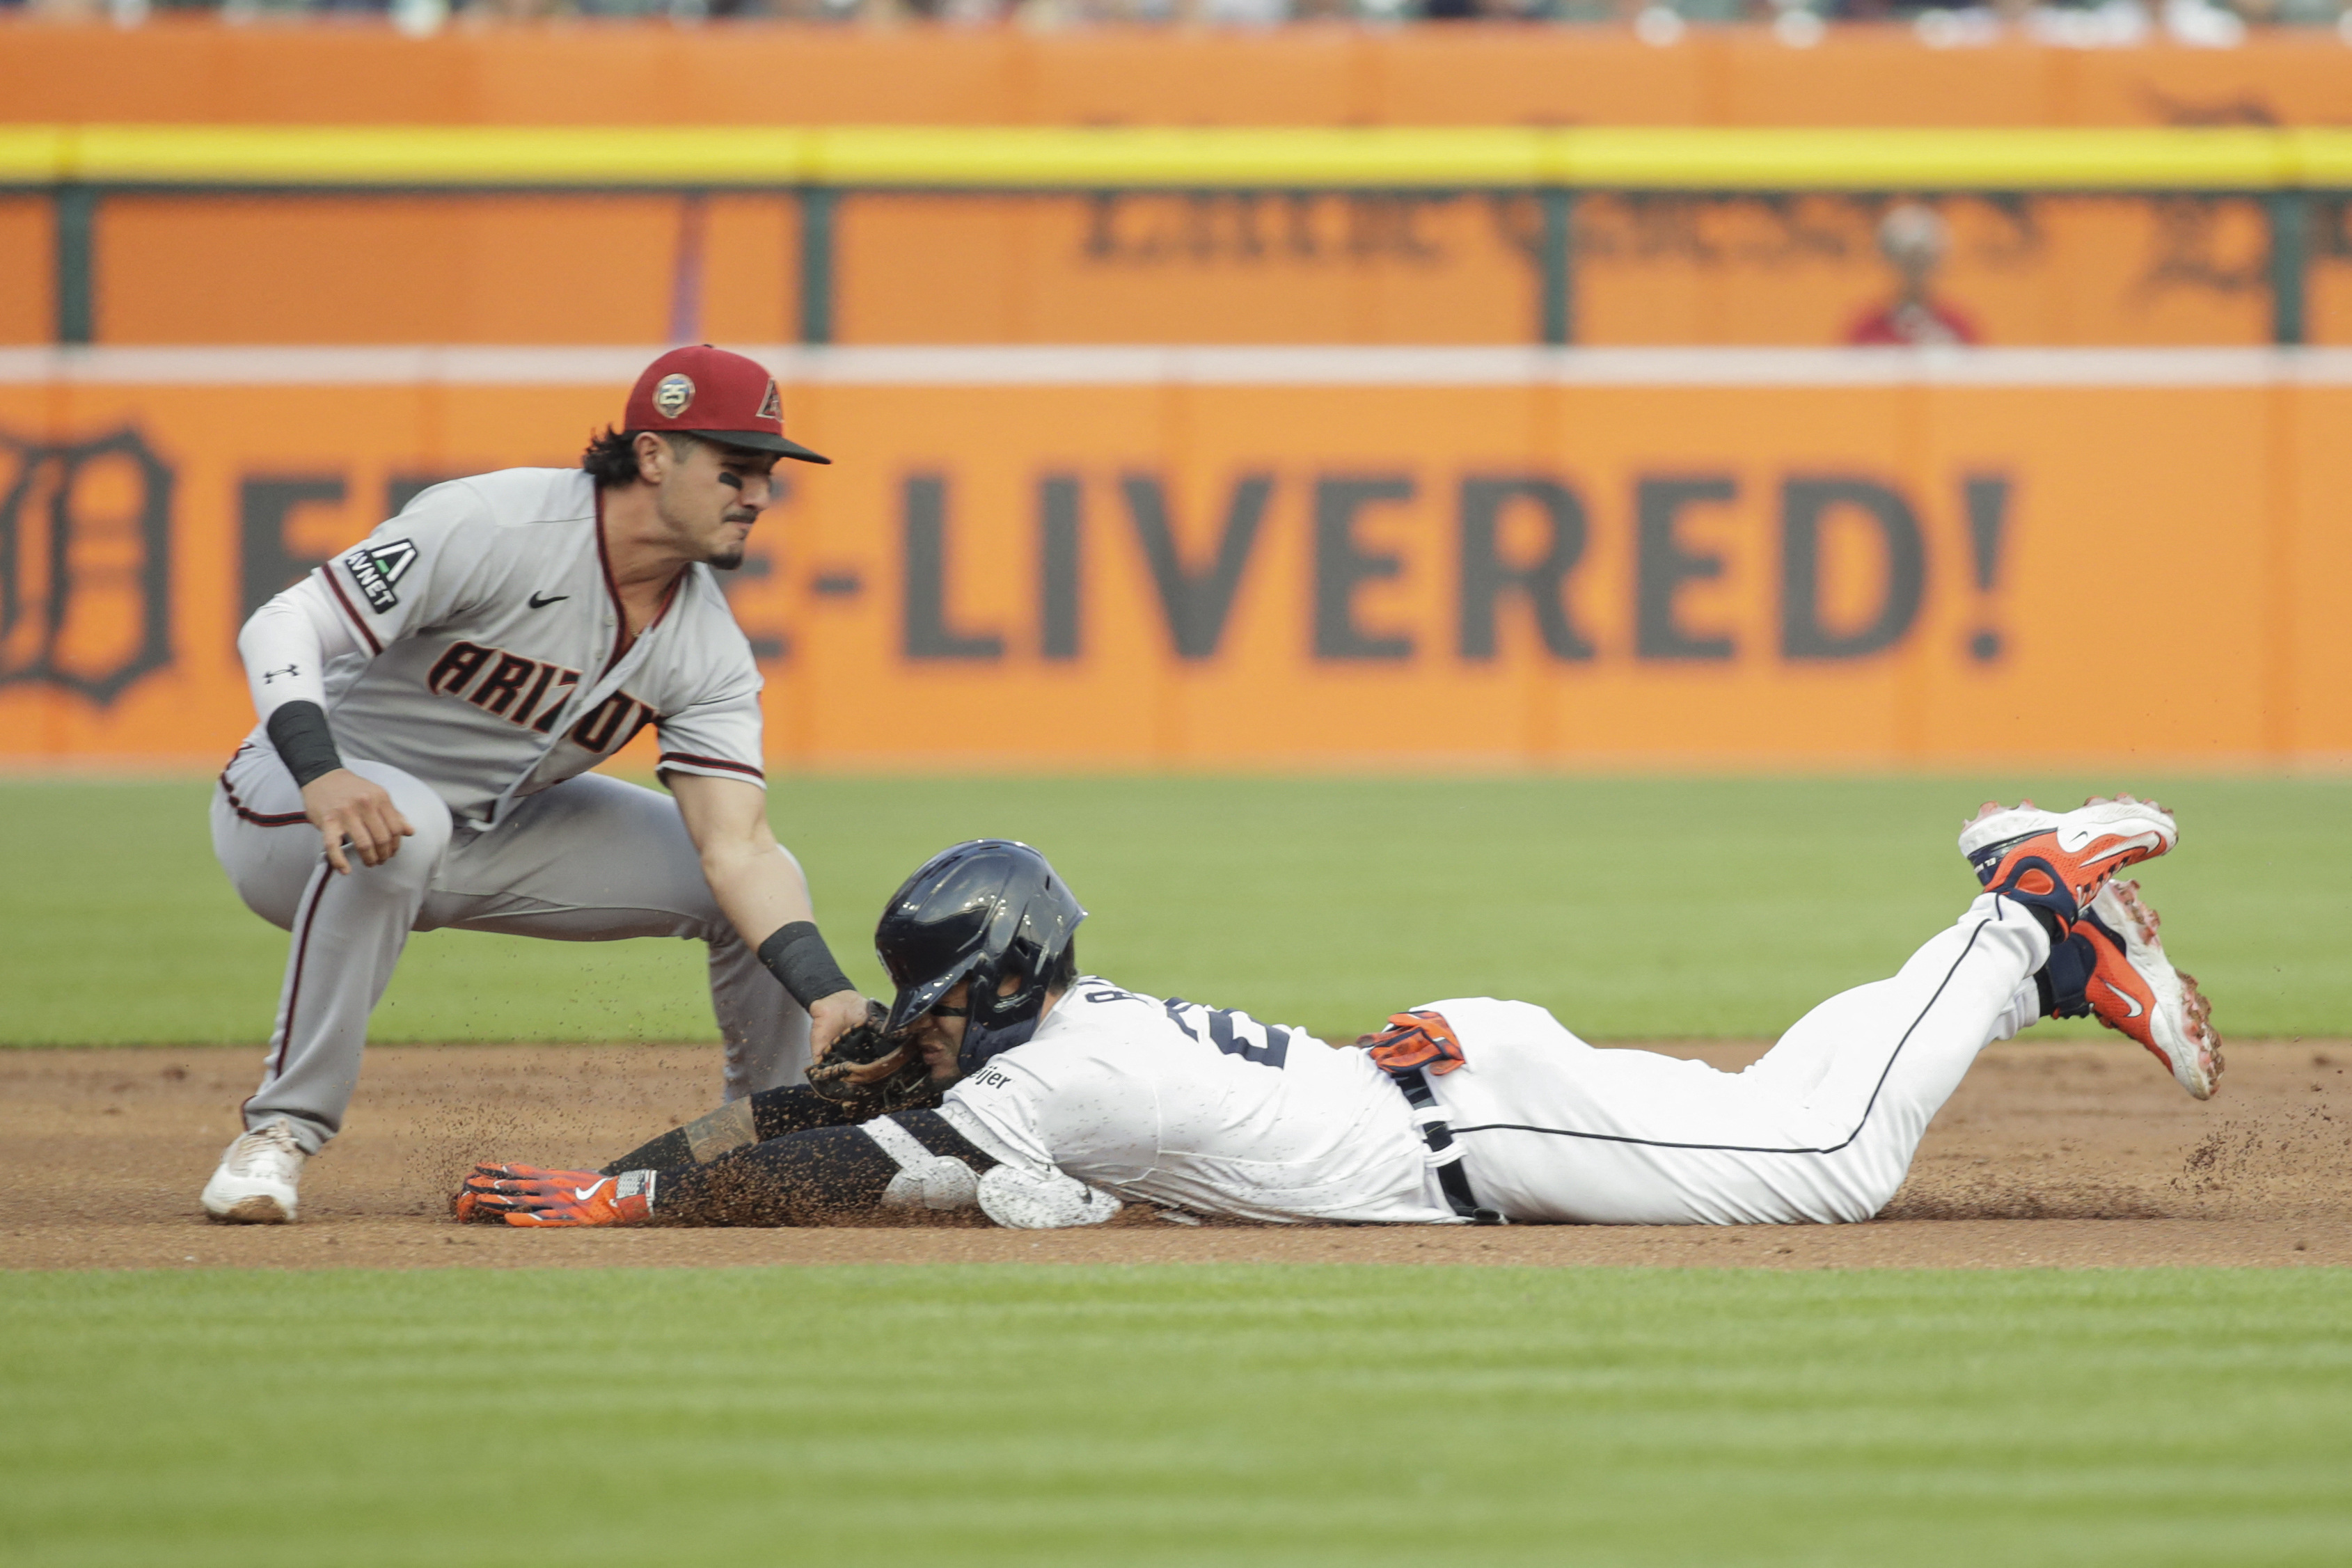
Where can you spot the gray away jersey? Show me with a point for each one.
(487, 623)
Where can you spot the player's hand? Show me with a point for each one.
(529, 1195)
(831, 1016)
(342, 805)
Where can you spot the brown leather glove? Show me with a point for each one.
(873, 1072)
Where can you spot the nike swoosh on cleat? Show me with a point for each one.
(541, 602)
(2143, 841)
(2128, 1000)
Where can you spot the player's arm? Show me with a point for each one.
(762, 890)
(938, 1161)
(285, 646)
(817, 1175)
(829, 1175)
(739, 1125)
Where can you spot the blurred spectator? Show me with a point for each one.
(1244, 13)
(1913, 239)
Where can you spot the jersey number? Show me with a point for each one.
(1273, 1052)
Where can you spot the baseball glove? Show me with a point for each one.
(873, 1073)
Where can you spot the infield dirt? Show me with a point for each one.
(2056, 1155)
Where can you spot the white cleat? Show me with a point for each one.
(2135, 990)
(2060, 860)
(255, 1184)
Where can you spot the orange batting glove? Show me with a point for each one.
(526, 1194)
(1416, 1039)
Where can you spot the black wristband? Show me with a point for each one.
(798, 956)
(299, 730)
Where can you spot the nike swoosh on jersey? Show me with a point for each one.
(539, 601)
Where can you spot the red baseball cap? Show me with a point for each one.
(703, 391)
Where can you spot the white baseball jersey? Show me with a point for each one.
(1216, 1113)
(1203, 1109)
(475, 641)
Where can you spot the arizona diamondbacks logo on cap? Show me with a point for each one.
(772, 406)
(672, 396)
(376, 568)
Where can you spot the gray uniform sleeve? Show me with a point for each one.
(415, 571)
(718, 733)
(720, 738)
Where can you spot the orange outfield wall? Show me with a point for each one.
(1370, 267)
(1230, 268)
(1152, 573)
(607, 73)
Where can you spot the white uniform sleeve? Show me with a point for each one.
(416, 570)
(287, 644)
(1016, 1193)
(1051, 1105)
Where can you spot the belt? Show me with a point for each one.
(1445, 1154)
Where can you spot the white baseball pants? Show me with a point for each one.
(1820, 1129)
(591, 860)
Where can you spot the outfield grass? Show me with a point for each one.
(1631, 908)
(1323, 1415)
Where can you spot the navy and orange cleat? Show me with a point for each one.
(2058, 861)
(526, 1195)
(2132, 987)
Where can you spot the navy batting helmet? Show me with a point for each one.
(982, 911)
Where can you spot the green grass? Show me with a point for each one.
(1631, 908)
(1228, 1415)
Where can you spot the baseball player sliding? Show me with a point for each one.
(1007, 1081)
(431, 702)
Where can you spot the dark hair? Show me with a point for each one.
(1063, 972)
(611, 458)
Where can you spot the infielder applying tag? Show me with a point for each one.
(432, 701)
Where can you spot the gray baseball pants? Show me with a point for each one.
(591, 860)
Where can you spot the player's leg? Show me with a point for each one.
(597, 859)
(2112, 966)
(2043, 870)
(765, 1031)
(1865, 1071)
(261, 837)
(347, 936)
(1825, 1128)
(1554, 1130)
(1801, 1059)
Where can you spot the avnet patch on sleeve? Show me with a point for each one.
(376, 568)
